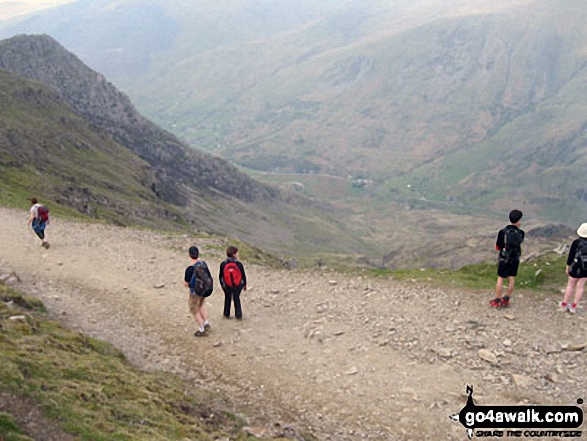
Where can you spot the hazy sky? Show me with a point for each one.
(14, 8)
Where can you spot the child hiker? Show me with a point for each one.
(233, 280)
(199, 280)
(576, 270)
(508, 243)
(39, 218)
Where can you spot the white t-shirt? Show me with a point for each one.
(35, 210)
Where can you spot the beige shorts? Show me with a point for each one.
(195, 302)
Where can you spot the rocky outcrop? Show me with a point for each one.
(176, 166)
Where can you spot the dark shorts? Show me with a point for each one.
(508, 269)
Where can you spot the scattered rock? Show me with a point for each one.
(487, 355)
(522, 381)
(333, 282)
(509, 316)
(576, 346)
(217, 344)
(443, 352)
(160, 285)
(353, 371)
(337, 333)
(18, 318)
(256, 432)
(507, 342)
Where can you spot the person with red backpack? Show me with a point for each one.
(233, 280)
(39, 218)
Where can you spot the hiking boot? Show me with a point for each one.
(199, 333)
(45, 245)
(505, 302)
(496, 303)
(207, 327)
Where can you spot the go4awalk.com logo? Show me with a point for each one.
(519, 421)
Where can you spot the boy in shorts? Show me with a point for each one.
(195, 301)
(508, 244)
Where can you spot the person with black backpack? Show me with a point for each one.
(509, 241)
(199, 280)
(576, 270)
(233, 280)
(39, 218)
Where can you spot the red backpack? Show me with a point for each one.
(232, 275)
(43, 213)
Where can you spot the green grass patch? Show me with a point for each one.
(545, 273)
(89, 390)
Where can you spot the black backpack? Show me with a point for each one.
(201, 282)
(512, 241)
(579, 265)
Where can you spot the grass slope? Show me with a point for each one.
(89, 390)
(48, 151)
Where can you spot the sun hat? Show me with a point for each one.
(582, 231)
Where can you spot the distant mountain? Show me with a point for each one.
(468, 102)
(91, 150)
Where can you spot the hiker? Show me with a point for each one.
(576, 270)
(233, 280)
(508, 243)
(39, 218)
(199, 280)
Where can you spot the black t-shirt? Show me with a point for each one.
(500, 243)
(575, 272)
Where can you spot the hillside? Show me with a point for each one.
(95, 153)
(424, 92)
(339, 355)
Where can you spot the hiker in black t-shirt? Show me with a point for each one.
(576, 270)
(233, 280)
(508, 244)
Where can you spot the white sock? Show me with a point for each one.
(207, 322)
(201, 329)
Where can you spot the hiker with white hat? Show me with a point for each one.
(576, 270)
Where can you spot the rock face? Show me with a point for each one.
(95, 99)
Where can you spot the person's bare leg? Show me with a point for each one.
(498, 287)
(569, 289)
(580, 286)
(511, 284)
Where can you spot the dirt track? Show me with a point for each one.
(342, 357)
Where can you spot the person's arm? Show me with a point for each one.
(244, 276)
(499, 244)
(572, 253)
(187, 276)
(31, 217)
(221, 275)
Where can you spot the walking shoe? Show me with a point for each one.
(496, 303)
(207, 327)
(564, 306)
(572, 309)
(505, 302)
(199, 333)
(45, 245)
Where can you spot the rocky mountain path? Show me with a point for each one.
(343, 357)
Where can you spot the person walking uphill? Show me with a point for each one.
(199, 280)
(233, 280)
(509, 241)
(39, 218)
(576, 270)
